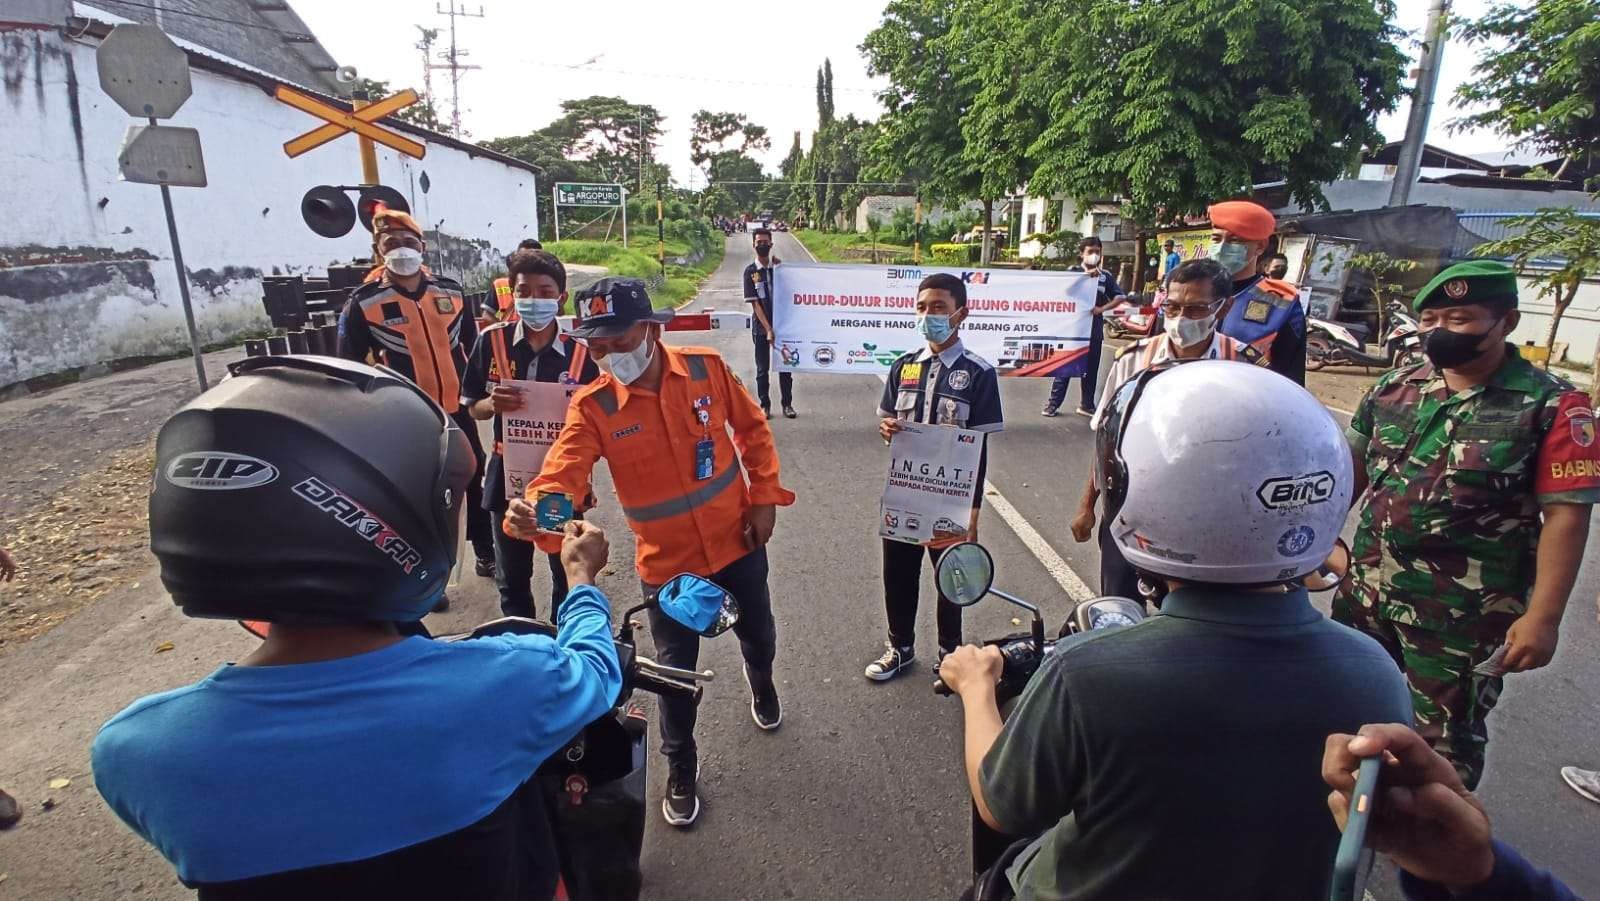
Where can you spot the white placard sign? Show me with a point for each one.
(528, 431)
(933, 478)
(858, 319)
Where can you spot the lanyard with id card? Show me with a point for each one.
(705, 450)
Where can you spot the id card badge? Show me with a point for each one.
(553, 509)
(705, 457)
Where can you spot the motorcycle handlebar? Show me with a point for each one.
(666, 688)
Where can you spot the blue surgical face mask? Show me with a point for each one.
(537, 312)
(935, 327)
(1232, 255)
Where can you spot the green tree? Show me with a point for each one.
(1537, 80)
(616, 136)
(737, 175)
(1174, 105)
(713, 132)
(1555, 248)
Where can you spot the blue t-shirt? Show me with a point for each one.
(264, 769)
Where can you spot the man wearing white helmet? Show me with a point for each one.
(1167, 759)
(1195, 295)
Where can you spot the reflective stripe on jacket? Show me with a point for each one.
(425, 332)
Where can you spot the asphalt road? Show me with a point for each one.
(861, 792)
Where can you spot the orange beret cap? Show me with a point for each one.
(1250, 221)
(386, 219)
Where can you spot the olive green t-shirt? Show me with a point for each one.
(1181, 757)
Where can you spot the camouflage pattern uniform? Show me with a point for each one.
(1444, 553)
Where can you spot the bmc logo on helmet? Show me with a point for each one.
(352, 515)
(1286, 493)
(219, 471)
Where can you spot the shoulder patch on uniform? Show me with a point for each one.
(981, 363)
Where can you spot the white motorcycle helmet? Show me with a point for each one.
(1222, 472)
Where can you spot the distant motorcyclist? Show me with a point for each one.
(342, 759)
(1169, 759)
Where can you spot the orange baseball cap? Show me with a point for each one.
(387, 219)
(1248, 220)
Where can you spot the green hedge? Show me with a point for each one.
(639, 261)
(956, 254)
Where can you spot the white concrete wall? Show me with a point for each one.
(1351, 194)
(1580, 324)
(86, 272)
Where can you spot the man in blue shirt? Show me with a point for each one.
(343, 758)
(1169, 759)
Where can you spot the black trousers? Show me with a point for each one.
(902, 589)
(763, 381)
(746, 580)
(1117, 576)
(513, 573)
(1091, 374)
(480, 522)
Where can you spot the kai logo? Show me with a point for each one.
(599, 305)
(219, 471)
(1287, 493)
(975, 278)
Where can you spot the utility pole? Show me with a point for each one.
(456, 67)
(429, 35)
(1406, 168)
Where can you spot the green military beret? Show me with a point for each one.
(1475, 281)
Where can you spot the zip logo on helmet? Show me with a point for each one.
(335, 503)
(1287, 493)
(219, 471)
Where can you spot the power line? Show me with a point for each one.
(678, 77)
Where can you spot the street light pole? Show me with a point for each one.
(1406, 168)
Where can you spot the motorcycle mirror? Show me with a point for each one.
(1332, 571)
(698, 604)
(965, 574)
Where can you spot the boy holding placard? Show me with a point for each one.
(943, 384)
(527, 348)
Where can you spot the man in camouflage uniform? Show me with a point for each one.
(1465, 454)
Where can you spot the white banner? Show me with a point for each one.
(933, 478)
(845, 318)
(528, 432)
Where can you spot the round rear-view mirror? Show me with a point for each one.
(966, 573)
(1332, 571)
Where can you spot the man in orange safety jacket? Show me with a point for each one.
(661, 417)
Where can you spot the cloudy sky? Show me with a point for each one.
(680, 56)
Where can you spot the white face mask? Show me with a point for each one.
(1189, 332)
(537, 312)
(403, 261)
(1092, 261)
(628, 365)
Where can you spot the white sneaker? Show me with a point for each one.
(1584, 782)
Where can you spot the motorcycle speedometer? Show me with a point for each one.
(1109, 619)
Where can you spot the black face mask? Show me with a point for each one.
(1452, 350)
(763, 249)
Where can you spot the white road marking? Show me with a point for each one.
(1058, 569)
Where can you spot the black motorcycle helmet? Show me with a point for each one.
(308, 489)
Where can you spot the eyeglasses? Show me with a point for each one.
(1189, 311)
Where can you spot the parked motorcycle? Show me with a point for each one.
(965, 575)
(1331, 344)
(593, 789)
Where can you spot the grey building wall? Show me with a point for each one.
(1350, 194)
(230, 27)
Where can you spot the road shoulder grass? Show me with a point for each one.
(682, 279)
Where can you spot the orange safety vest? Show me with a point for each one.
(426, 331)
(650, 442)
(505, 305)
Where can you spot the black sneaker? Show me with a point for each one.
(1050, 411)
(891, 663)
(767, 412)
(788, 412)
(682, 804)
(1085, 412)
(485, 567)
(764, 707)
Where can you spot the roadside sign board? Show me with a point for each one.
(162, 155)
(143, 71)
(583, 194)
